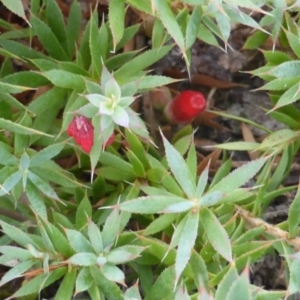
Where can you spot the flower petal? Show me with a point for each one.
(126, 101)
(106, 109)
(95, 99)
(112, 90)
(121, 117)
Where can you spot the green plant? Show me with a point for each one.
(143, 225)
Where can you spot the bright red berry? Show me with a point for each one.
(82, 130)
(185, 107)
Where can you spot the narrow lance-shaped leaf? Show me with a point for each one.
(17, 128)
(16, 234)
(10, 182)
(66, 287)
(74, 26)
(124, 254)
(83, 259)
(241, 288)
(43, 186)
(84, 280)
(95, 236)
(13, 88)
(48, 39)
(202, 182)
(17, 271)
(186, 243)
(46, 154)
(168, 19)
(239, 176)
(192, 27)
(150, 204)
(95, 45)
(226, 283)
(216, 233)
(35, 284)
(83, 211)
(111, 228)
(78, 241)
(179, 169)
(16, 7)
(116, 17)
(36, 201)
(55, 20)
(164, 285)
(294, 215)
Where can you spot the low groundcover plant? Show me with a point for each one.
(90, 206)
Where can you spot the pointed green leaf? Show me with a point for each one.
(55, 20)
(74, 26)
(16, 7)
(84, 280)
(294, 215)
(192, 27)
(95, 236)
(124, 254)
(286, 69)
(202, 182)
(83, 212)
(290, 96)
(113, 273)
(226, 283)
(199, 270)
(180, 169)
(240, 288)
(95, 45)
(239, 176)
(186, 243)
(43, 186)
(37, 283)
(78, 241)
(65, 79)
(150, 204)
(152, 81)
(18, 128)
(17, 271)
(109, 288)
(16, 252)
(58, 239)
(216, 233)
(66, 287)
(160, 223)
(17, 235)
(132, 293)
(164, 285)
(140, 62)
(36, 201)
(211, 199)
(116, 16)
(111, 228)
(10, 183)
(46, 154)
(168, 19)
(179, 207)
(83, 259)
(48, 39)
